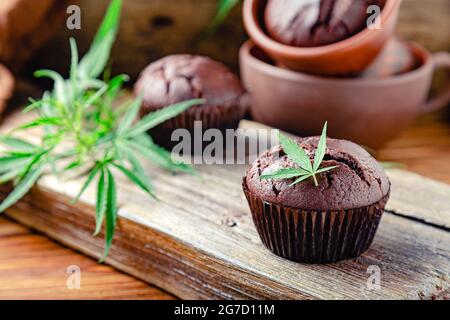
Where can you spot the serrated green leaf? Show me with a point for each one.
(18, 144)
(60, 88)
(93, 98)
(47, 101)
(100, 207)
(302, 178)
(10, 175)
(34, 160)
(33, 105)
(287, 173)
(295, 153)
(326, 169)
(12, 162)
(87, 183)
(111, 214)
(115, 84)
(110, 22)
(74, 69)
(144, 139)
(161, 157)
(74, 60)
(321, 148)
(23, 187)
(135, 163)
(74, 164)
(95, 60)
(86, 84)
(157, 117)
(136, 179)
(54, 121)
(14, 153)
(130, 116)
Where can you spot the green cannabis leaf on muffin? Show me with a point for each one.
(296, 154)
(85, 132)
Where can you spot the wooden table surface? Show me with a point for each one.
(34, 267)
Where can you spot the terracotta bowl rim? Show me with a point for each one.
(285, 74)
(6, 83)
(263, 40)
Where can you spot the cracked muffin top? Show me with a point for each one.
(310, 23)
(358, 181)
(182, 77)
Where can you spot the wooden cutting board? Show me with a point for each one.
(199, 240)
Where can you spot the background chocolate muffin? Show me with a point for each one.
(317, 224)
(310, 23)
(177, 78)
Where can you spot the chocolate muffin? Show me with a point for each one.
(311, 23)
(333, 221)
(182, 77)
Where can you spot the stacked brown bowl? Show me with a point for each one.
(368, 86)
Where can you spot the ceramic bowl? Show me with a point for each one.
(349, 56)
(368, 111)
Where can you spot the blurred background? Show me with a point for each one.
(33, 33)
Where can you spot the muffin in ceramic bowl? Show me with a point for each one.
(331, 221)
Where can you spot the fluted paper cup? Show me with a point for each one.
(315, 236)
(221, 117)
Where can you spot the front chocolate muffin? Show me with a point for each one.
(182, 77)
(335, 220)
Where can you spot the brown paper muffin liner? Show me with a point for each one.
(315, 236)
(222, 117)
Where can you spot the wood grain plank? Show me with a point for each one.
(8, 229)
(174, 247)
(34, 267)
(419, 198)
(186, 244)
